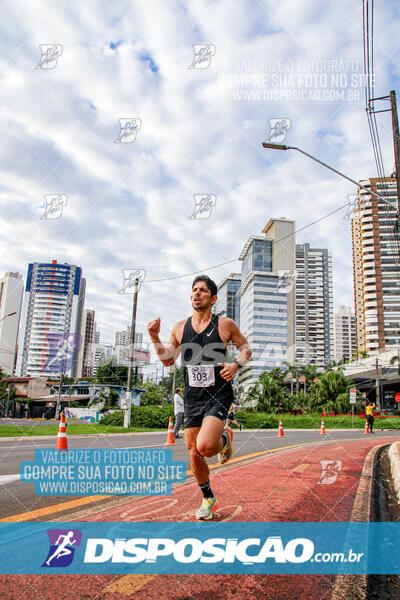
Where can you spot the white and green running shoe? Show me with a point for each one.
(227, 451)
(208, 506)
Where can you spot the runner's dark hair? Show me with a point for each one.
(212, 286)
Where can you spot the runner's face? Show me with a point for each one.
(201, 296)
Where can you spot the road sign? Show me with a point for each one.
(353, 395)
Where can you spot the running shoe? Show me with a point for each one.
(227, 451)
(208, 506)
(240, 427)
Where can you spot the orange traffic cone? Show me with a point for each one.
(323, 432)
(62, 443)
(280, 430)
(366, 430)
(170, 435)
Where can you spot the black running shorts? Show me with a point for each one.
(195, 412)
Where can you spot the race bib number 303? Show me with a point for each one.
(201, 375)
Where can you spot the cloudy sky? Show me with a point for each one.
(200, 118)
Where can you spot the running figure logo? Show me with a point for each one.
(128, 285)
(203, 54)
(63, 349)
(61, 552)
(286, 280)
(55, 204)
(354, 210)
(329, 471)
(50, 55)
(203, 205)
(128, 130)
(278, 129)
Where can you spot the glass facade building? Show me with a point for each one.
(267, 299)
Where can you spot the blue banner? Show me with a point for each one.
(179, 548)
(122, 472)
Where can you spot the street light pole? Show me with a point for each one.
(283, 147)
(127, 404)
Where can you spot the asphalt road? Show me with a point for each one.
(18, 497)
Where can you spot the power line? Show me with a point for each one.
(236, 259)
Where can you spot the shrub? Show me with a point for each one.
(153, 417)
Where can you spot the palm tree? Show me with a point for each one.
(330, 392)
(294, 369)
(310, 373)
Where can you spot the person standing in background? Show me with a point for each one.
(178, 411)
(369, 413)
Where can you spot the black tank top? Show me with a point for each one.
(205, 348)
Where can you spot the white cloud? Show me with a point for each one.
(129, 204)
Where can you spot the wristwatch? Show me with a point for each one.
(239, 364)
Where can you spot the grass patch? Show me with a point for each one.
(268, 421)
(248, 420)
(78, 429)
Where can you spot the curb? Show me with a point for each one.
(394, 457)
(101, 435)
(355, 587)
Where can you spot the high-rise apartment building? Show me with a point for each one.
(267, 298)
(11, 290)
(100, 355)
(51, 320)
(228, 301)
(376, 265)
(314, 305)
(123, 338)
(345, 334)
(85, 352)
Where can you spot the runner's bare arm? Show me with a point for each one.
(238, 339)
(169, 353)
(234, 335)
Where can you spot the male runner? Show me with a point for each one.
(202, 339)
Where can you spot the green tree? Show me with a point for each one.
(109, 398)
(155, 394)
(393, 361)
(179, 380)
(273, 396)
(310, 373)
(329, 392)
(278, 374)
(111, 373)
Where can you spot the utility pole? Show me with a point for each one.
(58, 405)
(126, 405)
(173, 382)
(378, 387)
(396, 142)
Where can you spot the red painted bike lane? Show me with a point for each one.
(311, 483)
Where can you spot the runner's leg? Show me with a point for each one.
(197, 462)
(209, 440)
